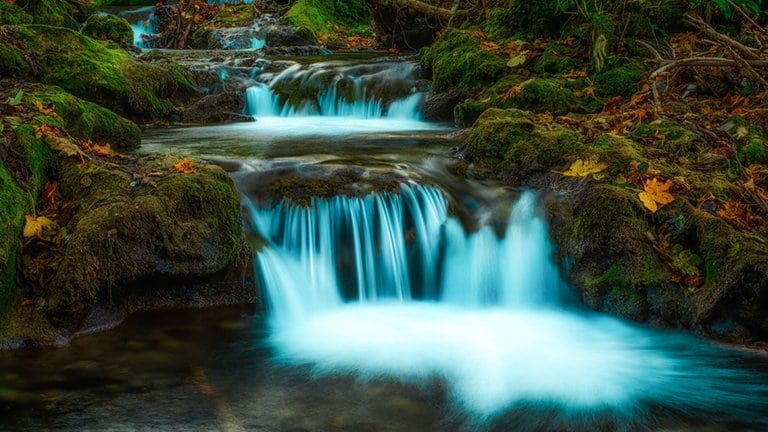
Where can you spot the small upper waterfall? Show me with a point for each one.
(338, 89)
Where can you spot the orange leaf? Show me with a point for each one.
(46, 111)
(656, 194)
(185, 166)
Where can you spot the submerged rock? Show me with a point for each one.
(218, 108)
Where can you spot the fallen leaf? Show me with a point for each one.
(185, 166)
(656, 194)
(46, 111)
(37, 226)
(518, 59)
(583, 168)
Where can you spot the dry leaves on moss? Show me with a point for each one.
(185, 166)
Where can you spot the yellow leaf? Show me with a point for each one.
(582, 168)
(37, 226)
(656, 194)
(518, 59)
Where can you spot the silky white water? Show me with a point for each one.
(391, 286)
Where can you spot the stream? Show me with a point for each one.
(386, 311)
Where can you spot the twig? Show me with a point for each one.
(705, 61)
(744, 50)
(650, 49)
(749, 68)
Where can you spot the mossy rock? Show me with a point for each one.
(19, 200)
(615, 150)
(620, 78)
(58, 13)
(457, 61)
(465, 113)
(511, 144)
(548, 95)
(555, 60)
(671, 137)
(185, 226)
(109, 27)
(87, 120)
(317, 18)
(611, 263)
(734, 297)
(93, 71)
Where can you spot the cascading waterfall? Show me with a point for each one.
(337, 89)
(391, 286)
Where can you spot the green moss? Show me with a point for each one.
(751, 140)
(13, 14)
(618, 152)
(468, 111)
(457, 61)
(620, 78)
(18, 201)
(58, 13)
(11, 63)
(669, 136)
(316, 17)
(110, 77)
(511, 144)
(109, 27)
(547, 95)
(555, 60)
(89, 121)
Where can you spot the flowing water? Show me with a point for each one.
(386, 311)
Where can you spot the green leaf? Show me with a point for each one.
(16, 100)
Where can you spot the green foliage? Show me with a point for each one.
(316, 17)
(457, 61)
(109, 27)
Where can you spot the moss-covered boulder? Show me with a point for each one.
(59, 13)
(513, 145)
(316, 19)
(93, 70)
(601, 234)
(177, 225)
(619, 78)
(87, 120)
(110, 28)
(456, 60)
(669, 136)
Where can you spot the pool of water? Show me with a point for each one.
(219, 369)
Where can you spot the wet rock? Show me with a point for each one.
(439, 107)
(217, 108)
(134, 231)
(306, 50)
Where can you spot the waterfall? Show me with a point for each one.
(391, 285)
(143, 22)
(338, 89)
